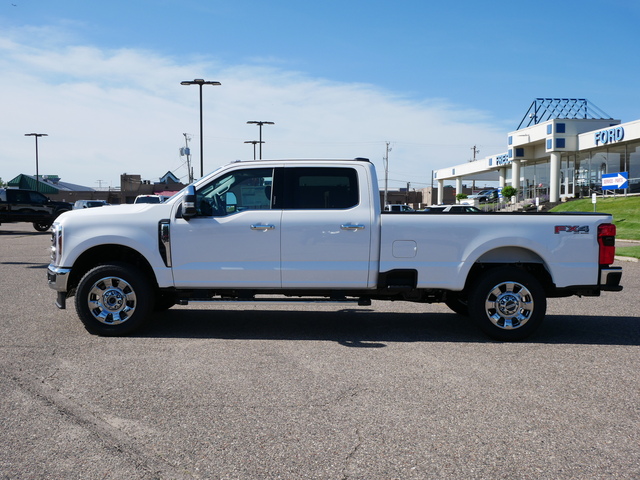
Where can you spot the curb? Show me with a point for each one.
(625, 259)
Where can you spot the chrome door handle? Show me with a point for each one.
(352, 227)
(263, 227)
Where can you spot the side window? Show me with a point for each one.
(22, 197)
(321, 188)
(246, 189)
(37, 198)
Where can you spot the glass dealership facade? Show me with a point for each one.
(560, 158)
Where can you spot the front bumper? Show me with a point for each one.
(58, 279)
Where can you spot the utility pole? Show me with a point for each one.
(475, 151)
(386, 173)
(187, 152)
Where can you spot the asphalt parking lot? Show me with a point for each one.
(391, 391)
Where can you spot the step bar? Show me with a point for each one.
(362, 301)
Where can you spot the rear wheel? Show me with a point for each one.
(508, 303)
(114, 300)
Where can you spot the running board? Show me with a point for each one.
(363, 302)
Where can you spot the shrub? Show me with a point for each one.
(509, 191)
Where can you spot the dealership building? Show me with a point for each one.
(563, 148)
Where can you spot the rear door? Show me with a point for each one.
(326, 227)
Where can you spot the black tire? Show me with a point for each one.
(164, 301)
(42, 226)
(114, 300)
(60, 212)
(507, 303)
(458, 303)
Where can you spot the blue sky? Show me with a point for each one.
(339, 79)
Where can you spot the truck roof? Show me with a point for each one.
(270, 160)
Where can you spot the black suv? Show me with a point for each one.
(18, 205)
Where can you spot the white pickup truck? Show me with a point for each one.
(312, 230)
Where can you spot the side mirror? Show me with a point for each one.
(189, 203)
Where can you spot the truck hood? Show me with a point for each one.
(139, 212)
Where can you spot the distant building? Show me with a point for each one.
(130, 187)
(54, 188)
(47, 184)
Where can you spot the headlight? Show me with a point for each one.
(56, 243)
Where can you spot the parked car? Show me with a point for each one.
(485, 196)
(89, 204)
(149, 199)
(398, 208)
(452, 209)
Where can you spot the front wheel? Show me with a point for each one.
(508, 303)
(114, 300)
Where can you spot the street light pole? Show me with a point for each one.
(37, 173)
(254, 146)
(200, 82)
(255, 122)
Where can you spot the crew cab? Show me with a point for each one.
(313, 230)
(18, 205)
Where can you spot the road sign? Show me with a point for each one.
(615, 181)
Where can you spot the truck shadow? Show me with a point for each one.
(365, 328)
(8, 231)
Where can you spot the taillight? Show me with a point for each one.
(607, 242)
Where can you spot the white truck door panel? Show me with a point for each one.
(326, 228)
(234, 241)
(320, 250)
(240, 251)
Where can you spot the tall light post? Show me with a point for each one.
(200, 82)
(254, 146)
(260, 124)
(37, 173)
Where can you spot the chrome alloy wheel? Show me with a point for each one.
(509, 305)
(111, 300)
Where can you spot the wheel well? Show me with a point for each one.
(536, 269)
(105, 254)
(511, 255)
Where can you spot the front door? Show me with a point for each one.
(566, 182)
(234, 240)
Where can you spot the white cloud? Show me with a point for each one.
(111, 112)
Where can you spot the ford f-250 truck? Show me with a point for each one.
(298, 230)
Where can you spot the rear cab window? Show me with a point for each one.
(313, 188)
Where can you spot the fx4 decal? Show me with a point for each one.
(571, 229)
